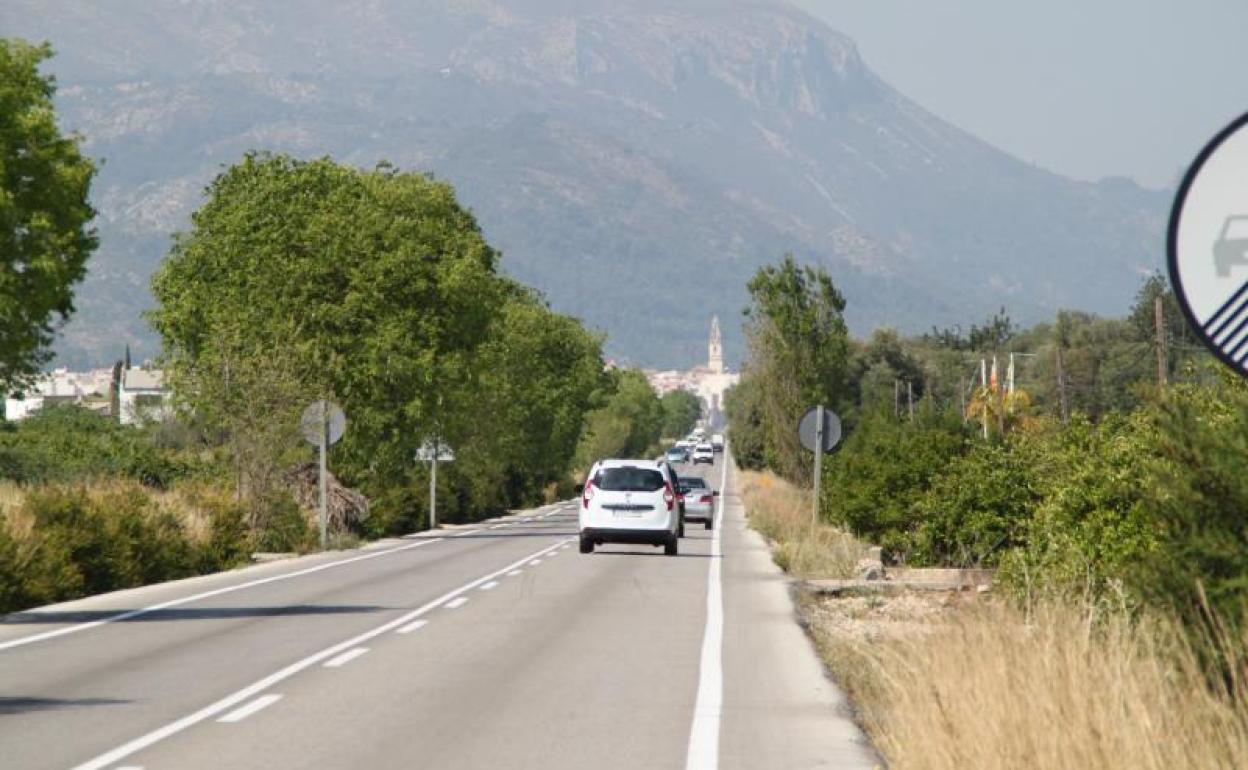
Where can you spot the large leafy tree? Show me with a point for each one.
(799, 350)
(45, 237)
(374, 288)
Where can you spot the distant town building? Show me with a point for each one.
(61, 386)
(142, 396)
(708, 382)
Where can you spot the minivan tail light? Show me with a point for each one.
(706, 499)
(669, 496)
(587, 495)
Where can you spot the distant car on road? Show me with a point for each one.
(677, 454)
(699, 500)
(1231, 247)
(717, 442)
(704, 453)
(630, 501)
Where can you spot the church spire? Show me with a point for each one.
(716, 362)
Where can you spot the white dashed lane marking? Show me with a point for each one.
(246, 710)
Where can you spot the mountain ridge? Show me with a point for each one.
(663, 153)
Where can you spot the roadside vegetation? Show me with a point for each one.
(1105, 485)
(297, 280)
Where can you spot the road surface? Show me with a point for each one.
(495, 646)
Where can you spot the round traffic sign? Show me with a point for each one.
(831, 429)
(1207, 246)
(323, 420)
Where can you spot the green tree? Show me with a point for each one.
(799, 350)
(540, 373)
(627, 425)
(378, 284)
(743, 407)
(44, 214)
(681, 410)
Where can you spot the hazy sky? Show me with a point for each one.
(1087, 88)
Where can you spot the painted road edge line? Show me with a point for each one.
(224, 590)
(704, 732)
(112, 756)
(207, 595)
(345, 658)
(242, 712)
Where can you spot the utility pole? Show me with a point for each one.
(896, 400)
(1061, 385)
(1159, 320)
(910, 398)
(962, 398)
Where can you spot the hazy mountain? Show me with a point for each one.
(635, 162)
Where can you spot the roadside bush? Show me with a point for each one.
(70, 443)
(1198, 503)
(976, 508)
(872, 484)
(283, 526)
(1093, 525)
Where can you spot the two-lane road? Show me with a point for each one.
(487, 647)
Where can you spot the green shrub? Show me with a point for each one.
(281, 525)
(229, 537)
(871, 485)
(977, 507)
(70, 443)
(1199, 503)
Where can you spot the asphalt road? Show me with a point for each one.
(496, 646)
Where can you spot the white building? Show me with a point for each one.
(142, 395)
(61, 386)
(708, 382)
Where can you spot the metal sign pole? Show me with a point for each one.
(433, 487)
(324, 471)
(814, 512)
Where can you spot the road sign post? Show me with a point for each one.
(322, 424)
(818, 431)
(434, 451)
(814, 513)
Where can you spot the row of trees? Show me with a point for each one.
(1101, 471)
(301, 280)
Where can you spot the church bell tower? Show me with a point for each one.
(716, 360)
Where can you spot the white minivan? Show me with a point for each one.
(630, 501)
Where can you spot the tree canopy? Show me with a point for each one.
(45, 237)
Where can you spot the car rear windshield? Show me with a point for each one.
(693, 481)
(628, 479)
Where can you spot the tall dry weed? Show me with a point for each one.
(782, 512)
(1062, 687)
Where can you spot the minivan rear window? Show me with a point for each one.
(628, 478)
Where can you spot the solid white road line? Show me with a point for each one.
(415, 625)
(490, 585)
(242, 712)
(455, 604)
(704, 733)
(345, 658)
(207, 595)
(108, 758)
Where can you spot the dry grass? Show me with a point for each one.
(981, 685)
(781, 512)
(190, 503)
